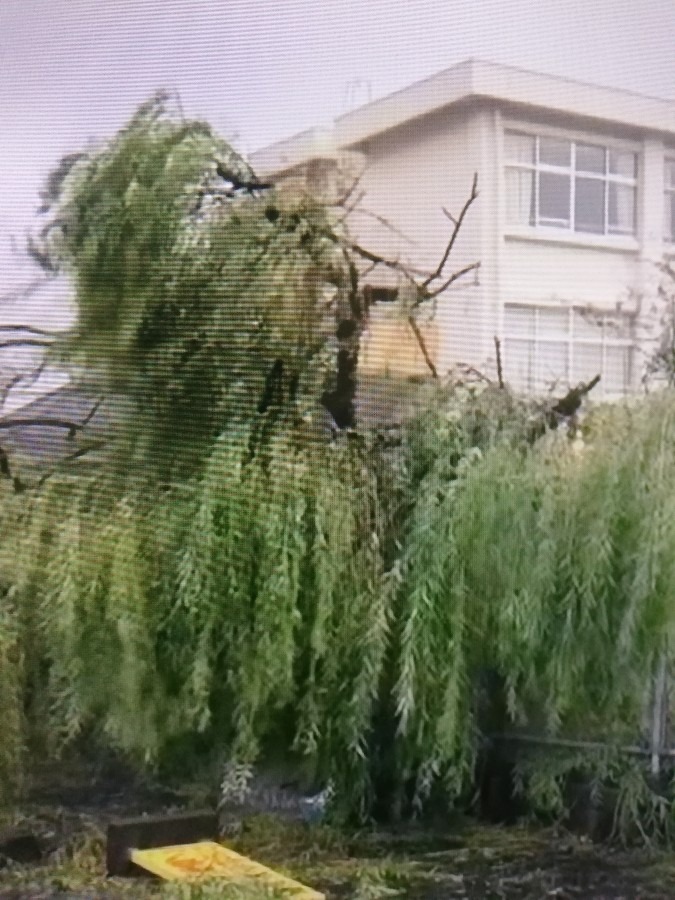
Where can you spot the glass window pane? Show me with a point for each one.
(587, 326)
(617, 327)
(621, 209)
(586, 362)
(617, 374)
(669, 224)
(520, 196)
(519, 321)
(519, 148)
(670, 173)
(519, 364)
(590, 158)
(589, 205)
(623, 163)
(554, 152)
(553, 323)
(552, 365)
(554, 199)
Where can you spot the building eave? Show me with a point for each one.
(473, 79)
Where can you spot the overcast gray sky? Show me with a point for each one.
(259, 70)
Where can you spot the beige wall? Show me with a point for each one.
(413, 170)
(545, 272)
(411, 174)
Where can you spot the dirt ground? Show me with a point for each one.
(53, 846)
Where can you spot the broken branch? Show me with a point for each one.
(500, 371)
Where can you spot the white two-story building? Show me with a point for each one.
(576, 209)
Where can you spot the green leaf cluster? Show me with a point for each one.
(199, 302)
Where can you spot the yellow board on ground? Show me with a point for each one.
(207, 859)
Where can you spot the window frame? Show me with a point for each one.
(575, 139)
(668, 200)
(541, 338)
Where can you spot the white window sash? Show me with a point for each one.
(669, 201)
(571, 171)
(538, 341)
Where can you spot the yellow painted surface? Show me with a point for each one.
(207, 859)
(389, 345)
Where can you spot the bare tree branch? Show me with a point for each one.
(41, 422)
(25, 292)
(422, 345)
(377, 259)
(382, 221)
(429, 295)
(12, 383)
(449, 215)
(78, 454)
(349, 210)
(473, 372)
(25, 342)
(28, 329)
(351, 190)
(455, 231)
(28, 378)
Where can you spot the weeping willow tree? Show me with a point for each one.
(222, 576)
(248, 606)
(203, 296)
(556, 573)
(345, 605)
(236, 575)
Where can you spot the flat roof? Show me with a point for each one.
(472, 79)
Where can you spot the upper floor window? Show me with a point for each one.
(669, 201)
(559, 183)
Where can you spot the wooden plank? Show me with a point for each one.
(125, 835)
(207, 859)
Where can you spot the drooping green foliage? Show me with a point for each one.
(201, 300)
(245, 581)
(264, 604)
(555, 573)
(248, 605)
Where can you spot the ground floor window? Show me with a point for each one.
(669, 202)
(554, 347)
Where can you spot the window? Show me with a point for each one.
(374, 294)
(558, 183)
(669, 201)
(547, 347)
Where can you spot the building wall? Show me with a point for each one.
(415, 170)
(411, 175)
(550, 272)
(555, 268)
